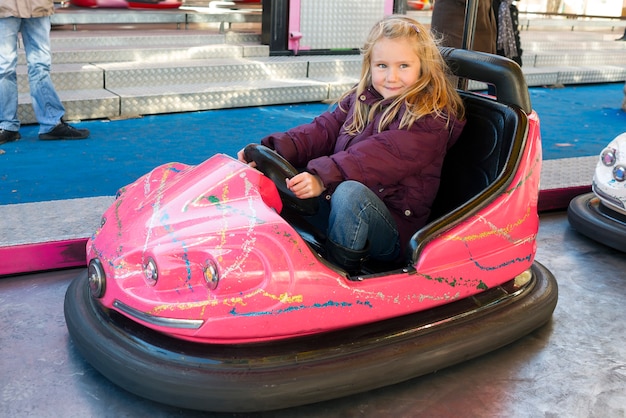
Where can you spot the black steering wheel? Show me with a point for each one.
(270, 163)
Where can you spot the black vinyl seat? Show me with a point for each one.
(484, 160)
(480, 154)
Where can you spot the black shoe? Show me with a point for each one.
(8, 136)
(65, 131)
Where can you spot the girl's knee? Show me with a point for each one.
(350, 189)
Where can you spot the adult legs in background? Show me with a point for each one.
(9, 27)
(46, 103)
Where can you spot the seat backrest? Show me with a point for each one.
(483, 161)
(480, 154)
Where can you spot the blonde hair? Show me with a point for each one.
(433, 91)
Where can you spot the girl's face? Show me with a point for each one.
(394, 65)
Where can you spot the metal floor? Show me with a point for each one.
(573, 367)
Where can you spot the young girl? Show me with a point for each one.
(375, 160)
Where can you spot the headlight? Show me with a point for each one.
(608, 157)
(619, 173)
(151, 272)
(211, 274)
(96, 277)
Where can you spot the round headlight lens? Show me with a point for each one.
(619, 173)
(608, 157)
(211, 275)
(96, 278)
(151, 272)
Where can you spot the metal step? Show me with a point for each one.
(137, 38)
(192, 97)
(66, 77)
(563, 75)
(158, 45)
(157, 54)
(575, 59)
(79, 105)
(546, 46)
(151, 74)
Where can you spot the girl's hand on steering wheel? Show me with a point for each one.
(305, 185)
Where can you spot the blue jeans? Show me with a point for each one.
(356, 217)
(36, 38)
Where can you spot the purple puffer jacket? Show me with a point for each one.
(402, 166)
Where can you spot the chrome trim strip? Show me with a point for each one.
(613, 201)
(157, 320)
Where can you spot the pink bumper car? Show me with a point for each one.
(207, 289)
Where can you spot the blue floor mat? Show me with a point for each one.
(575, 121)
(579, 121)
(118, 152)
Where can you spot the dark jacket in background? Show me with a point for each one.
(448, 20)
(508, 42)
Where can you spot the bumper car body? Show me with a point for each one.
(206, 271)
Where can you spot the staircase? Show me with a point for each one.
(126, 63)
(563, 57)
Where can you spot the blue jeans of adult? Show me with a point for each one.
(36, 38)
(355, 218)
